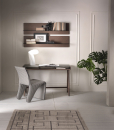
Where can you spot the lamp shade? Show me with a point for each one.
(31, 54)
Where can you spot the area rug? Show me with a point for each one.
(46, 120)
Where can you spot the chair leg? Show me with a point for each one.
(32, 91)
(31, 94)
(24, 94)
(21, 91)
(40, 93)
(43, 92)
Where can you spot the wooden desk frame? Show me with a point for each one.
(68, 77)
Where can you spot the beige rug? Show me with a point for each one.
(46, 120)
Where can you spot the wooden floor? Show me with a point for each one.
(91, 105)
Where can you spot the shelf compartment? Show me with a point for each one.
(56, 39)
(33, 26)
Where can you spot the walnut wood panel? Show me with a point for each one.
(46, 45)
(59, 39)
(50, 32)
(33, 26)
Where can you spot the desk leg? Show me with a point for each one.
(68, 83)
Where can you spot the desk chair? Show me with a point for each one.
(33, 84)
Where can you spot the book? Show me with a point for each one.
(53, 64)
(63, 26)
(54, 26)
(40, 29)
(58, 26)
(30, 40)
(49, 65)
(43, 64)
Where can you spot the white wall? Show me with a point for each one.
(110, 88)
(88, 32)
(0, 46)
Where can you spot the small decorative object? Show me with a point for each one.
(48, 26)
(50, 42)
(30, 41)
(44, 26)
(40, 37)
(63, 26)
(31, 54)
(100, 74)
(40, 29)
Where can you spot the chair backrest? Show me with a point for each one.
(23, 76)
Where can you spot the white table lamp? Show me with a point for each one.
(31, 54)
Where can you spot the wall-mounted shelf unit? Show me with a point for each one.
(59, 41)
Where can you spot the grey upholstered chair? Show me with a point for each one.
(33, 84)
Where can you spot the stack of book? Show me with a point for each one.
(40, 29)
(30, 41)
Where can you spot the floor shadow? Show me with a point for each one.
(7, 95)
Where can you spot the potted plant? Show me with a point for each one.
(99, 71)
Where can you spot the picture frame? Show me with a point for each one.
(40, 37)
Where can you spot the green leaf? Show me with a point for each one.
(100, 57)
(90, 65)
(81, 64)
(104, 76)
(97, 71)
(100, 75)
(98, 79)
(94, 56)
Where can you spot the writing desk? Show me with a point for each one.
(60, 67)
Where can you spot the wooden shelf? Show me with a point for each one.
(60, 41)
(33, 26)
(50, 32)
(47, 45)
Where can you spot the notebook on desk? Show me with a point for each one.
(48, 65)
